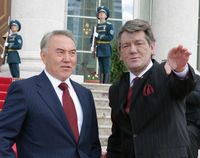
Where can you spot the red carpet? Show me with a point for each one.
(4, 84)
(6, 80)
(4, 87)
(1, 104)
(3, 95)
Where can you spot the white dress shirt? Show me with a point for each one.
(55, 83)
(181, 75)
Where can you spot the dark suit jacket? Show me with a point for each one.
(33, 117)
(193, 104)
(156, 125)
(193, 116)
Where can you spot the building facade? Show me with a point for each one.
(174, 22)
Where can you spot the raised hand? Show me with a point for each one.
(177, 59)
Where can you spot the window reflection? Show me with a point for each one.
(81, 18)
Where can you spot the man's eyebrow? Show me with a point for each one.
(73, 50)
(124, 43)
(59, 49)
(139, 40)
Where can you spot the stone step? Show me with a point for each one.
(103, 111)
(100, 94)
(101, 102)
(103, 140)
(105, 130)
(96, 86)
(103, 120)
(103, 148)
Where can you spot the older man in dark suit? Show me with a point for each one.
(148, 112)
(49, 115)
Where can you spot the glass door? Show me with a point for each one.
(81, 18)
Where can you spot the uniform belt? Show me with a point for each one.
(12, 50)
(103, 42)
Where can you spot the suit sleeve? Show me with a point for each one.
(194, 97)
(193, 105)
(114, 140)
(182, 87)
(11, 119)
(96, 146)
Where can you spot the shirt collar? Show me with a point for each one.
(132, 76)
(56, 82)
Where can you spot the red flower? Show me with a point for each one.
(93, 73)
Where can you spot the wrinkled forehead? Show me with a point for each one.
(134, 36)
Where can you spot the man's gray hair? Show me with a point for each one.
(134, 26)
(47, 36)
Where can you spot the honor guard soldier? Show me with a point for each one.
(14, 44)
(104, 34)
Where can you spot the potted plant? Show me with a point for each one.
(93, 78)
(117, 67)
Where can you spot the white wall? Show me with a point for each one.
(175, 22)
(37, 17)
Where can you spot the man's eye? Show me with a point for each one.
(72, 52)
(59, 51)
(125, 46)
(139, 43)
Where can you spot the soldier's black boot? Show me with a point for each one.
(101, 78)
(107, 78)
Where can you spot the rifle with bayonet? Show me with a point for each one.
(5, 49)
(94, 42)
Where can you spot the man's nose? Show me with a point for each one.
(133, 48)
(66, 56)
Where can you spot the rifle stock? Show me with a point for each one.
(5, 49)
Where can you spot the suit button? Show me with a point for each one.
(134, 135)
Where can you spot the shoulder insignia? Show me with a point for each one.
(112, 32)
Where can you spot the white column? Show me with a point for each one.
(37, 17)
(175, 22)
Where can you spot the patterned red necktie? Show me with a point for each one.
(129, 97)
(69, 109)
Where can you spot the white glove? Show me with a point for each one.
(95, 34)
(92, 49)
(6, 44)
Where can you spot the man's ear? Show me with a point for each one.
(152, 49)
(120, 57)
(43, 56)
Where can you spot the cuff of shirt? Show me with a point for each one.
(183, 74)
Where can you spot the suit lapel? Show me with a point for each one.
(141, 112)
(139, 85)
(49, 96)
(84, 106)
(123, 92)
